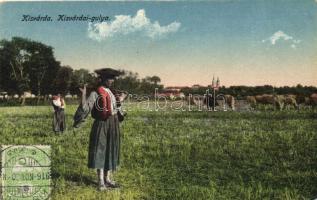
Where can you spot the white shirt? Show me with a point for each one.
(113, 101)
(58, 102)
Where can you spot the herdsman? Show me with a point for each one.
(104, 143)
(59, 123)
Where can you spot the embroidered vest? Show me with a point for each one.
(102, 108)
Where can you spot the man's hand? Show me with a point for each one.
(83, 90)
(83, 94)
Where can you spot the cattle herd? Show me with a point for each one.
(281, 101)
(277, 101)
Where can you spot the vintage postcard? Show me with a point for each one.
(158, 100)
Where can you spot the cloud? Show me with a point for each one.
(125, 24)
(280, 35)
(294, 46)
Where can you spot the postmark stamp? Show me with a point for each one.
(25, 172)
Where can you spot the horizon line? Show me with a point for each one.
(202, 86)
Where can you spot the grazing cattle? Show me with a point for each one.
(307, 100)
(302, 99)
(268, 99)
(251, 100)
(290, 100)
(313, 99)
(209, 101)
(229, 99)
(278, 101)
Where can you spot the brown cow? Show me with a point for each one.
(229, 99)
(268, 99)
(251, 100)
(290, 100)
(313, 99)
(276, 100)
(302, 99)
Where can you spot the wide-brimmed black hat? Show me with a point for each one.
(108, 73)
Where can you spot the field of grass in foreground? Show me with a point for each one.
(182, 155)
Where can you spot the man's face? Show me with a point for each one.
(109, 82)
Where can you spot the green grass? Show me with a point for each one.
(182, 155)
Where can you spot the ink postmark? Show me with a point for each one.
(25, 172)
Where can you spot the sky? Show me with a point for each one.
(243, 42)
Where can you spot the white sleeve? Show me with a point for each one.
(84, 109)
(57, 102)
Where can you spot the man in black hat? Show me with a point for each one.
(104, 143)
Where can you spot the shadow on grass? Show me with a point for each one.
(78, 179)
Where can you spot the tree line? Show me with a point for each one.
(27, 65)
(243, 91)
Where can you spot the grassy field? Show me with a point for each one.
(182, 155)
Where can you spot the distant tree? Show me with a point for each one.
(63, 80)
(129, 82)
(149, 84)
(25, 64)
(42, 68)
(155, 80)
(17, 54)
(6, 82)
(79, 78)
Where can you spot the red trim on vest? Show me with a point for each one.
(104, 103)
